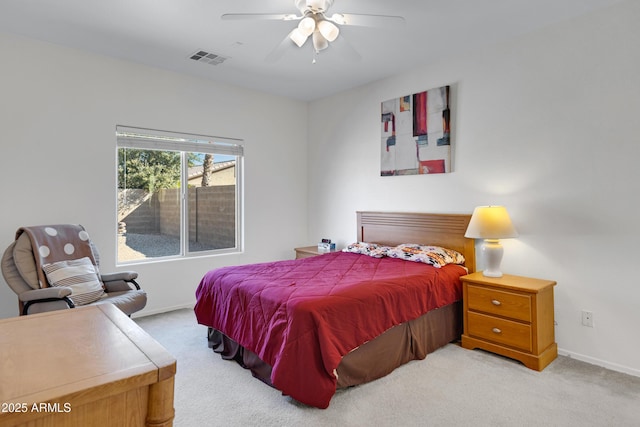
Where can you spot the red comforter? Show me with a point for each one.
(302, 316)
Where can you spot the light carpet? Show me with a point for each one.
(451, 387)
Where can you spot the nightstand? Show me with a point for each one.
(308, 251)
(511, 316)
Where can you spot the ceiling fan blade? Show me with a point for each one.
(367, 20)
(260, 16)
(279, 50)
(345, 49)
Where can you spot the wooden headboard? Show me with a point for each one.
(394, 228)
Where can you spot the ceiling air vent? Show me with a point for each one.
(208, 58)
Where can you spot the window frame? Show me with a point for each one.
(185, 143)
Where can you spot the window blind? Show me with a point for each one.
(152, 139)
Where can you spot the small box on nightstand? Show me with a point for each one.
(326, 247)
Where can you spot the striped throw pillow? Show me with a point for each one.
(78, 274)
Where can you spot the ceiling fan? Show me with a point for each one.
(314, 22)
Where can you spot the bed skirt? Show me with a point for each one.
(412, 340)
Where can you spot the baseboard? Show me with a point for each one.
(145, 313)
(601, 363)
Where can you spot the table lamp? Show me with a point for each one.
(491, 223)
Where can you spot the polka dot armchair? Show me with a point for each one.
(56, 267)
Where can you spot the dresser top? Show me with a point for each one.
(61, 354)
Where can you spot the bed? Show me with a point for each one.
(310, 326)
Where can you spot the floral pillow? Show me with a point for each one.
(371, 249)
(434, 255)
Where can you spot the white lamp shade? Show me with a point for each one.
(298, 37)
(490, 222)
(319, 42)
(329, 30)
(307, 25)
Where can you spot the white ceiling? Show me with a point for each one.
(164, 34)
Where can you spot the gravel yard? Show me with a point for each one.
(133, 246)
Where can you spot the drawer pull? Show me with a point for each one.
(495, 302)
(497, 331)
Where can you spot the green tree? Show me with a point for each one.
(150, 170)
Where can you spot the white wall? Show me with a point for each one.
(58, 110)
(546, 125)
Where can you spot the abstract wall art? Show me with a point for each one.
(416, 133)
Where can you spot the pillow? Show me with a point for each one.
(371, 249)
(434, 255)
(78, 274)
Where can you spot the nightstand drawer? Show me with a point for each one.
(501, 331)
(502, 303)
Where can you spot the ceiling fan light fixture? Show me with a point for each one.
(315, 21)
(298, 37)
(328, 30)
(319, 42)
(307, 25)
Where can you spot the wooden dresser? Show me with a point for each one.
(511, 316)
(86, 366)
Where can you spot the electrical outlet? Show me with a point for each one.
(587, 318)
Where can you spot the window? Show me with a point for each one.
(178, 194)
